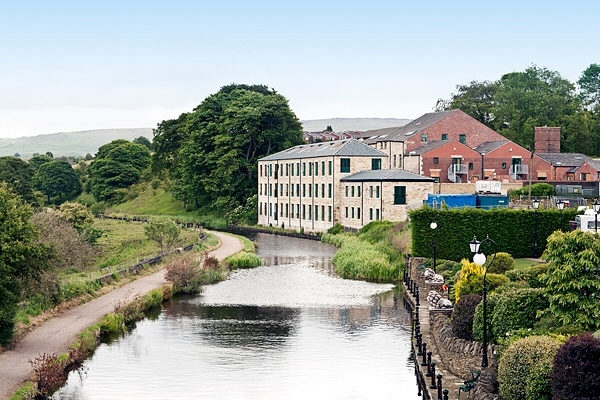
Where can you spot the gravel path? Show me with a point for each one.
(58, 334)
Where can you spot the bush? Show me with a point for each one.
(49, 374)
(518, 368)
(531, 276)
(502, 262)
(336, 229)
(184, 272)
(470, 279)
(509, 310)
(462, 316)
(576, 374)
(244, 260)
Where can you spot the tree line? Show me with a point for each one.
(519, 101)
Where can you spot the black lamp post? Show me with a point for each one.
(596, 206)
(479, 259)
(561, 206)
(434, 226)
(536, 205)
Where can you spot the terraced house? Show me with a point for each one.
(311, 187)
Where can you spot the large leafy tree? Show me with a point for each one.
(573, 280)
(212, 152)
(56, 178)
(18, 174)
(21, 255)
(118, 165)
(589, 87)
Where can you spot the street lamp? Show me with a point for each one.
(479, 259)
(434, 226)
(536, 205)
(596, 206)
(561, 206)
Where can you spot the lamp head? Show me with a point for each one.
(434, 225)
(536, 203)
(560, 205)
(479, 259)
(474, 244)
(596, 206)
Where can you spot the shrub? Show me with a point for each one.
(502, 262)
(336, 229)
(470, 279)
(184, 272)
(244, 260)
(576, 374)
(462, 316)
(531, 276)
(49, 374)
(517, 309)
(517, 369)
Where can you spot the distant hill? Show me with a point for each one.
(82, 142)
(69, 143)
(352, 124)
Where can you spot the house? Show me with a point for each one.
(300, 187)
(381, 194)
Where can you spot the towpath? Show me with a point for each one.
(57, 334)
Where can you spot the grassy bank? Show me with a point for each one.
(376, 253)
(51, 371)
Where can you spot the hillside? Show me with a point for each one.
(68, 143)
(82, 142)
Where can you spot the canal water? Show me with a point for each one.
(289, 329)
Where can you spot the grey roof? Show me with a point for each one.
(566, 159)
(430, 146)
(487, 147)
(341, 148)
(394, 175)
(403, 132)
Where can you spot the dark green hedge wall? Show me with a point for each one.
(512, 230)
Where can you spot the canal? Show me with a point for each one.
(289, 329)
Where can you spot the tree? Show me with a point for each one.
(18, 174)
(38, 160)
(573, 280)
(143, 141)
(213, 151)
(56, 178)
(118, 165)
(21, 255)
(589, 87)
(475, 98)
(163, 231)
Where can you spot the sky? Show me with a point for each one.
(82, 65)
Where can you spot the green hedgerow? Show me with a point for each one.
(520, 369)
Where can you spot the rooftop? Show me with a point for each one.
(393, 175)
(340, 148)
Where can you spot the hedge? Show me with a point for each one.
(512, 230)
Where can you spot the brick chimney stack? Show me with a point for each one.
(547, 139)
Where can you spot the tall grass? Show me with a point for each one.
(243, 259)
(371, 254)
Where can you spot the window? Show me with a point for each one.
(462, 138)
(323, 168)
(260, 208)
(370, 214)
(352, 191)
(287, 189)
(377, 191)
(346, 190)
(330, 167)
(503, 165)
(303, 211)
(270, 189)
(304, 190)
(260, 187)
(297, 190)
(270, 209)
(298, 168)
(287, 209)
(436, 179)
(316, 190)
(371, 191)
(376, 163)
(399, 194)
(298, 211)
(316, 168)
(345, 165)
(316, 213)
(287, 169)
(309, 212)
(444, 136)
(322, 190)
(261, 170)
(377, 214)
(303, 169)
(292, 211)
(309, 190)
(436, 160)
(330, 190)
(330, 213)
(394, 161)
(322, 213)
(346, 212)
(310, 169)
(358, 191)
(276, 170)
(270, 169)
(423, 137)
(352, 209)
(358, 212)
(281, 189)
(265, 208)
(471, 166)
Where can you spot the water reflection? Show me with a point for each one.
(287, 330)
